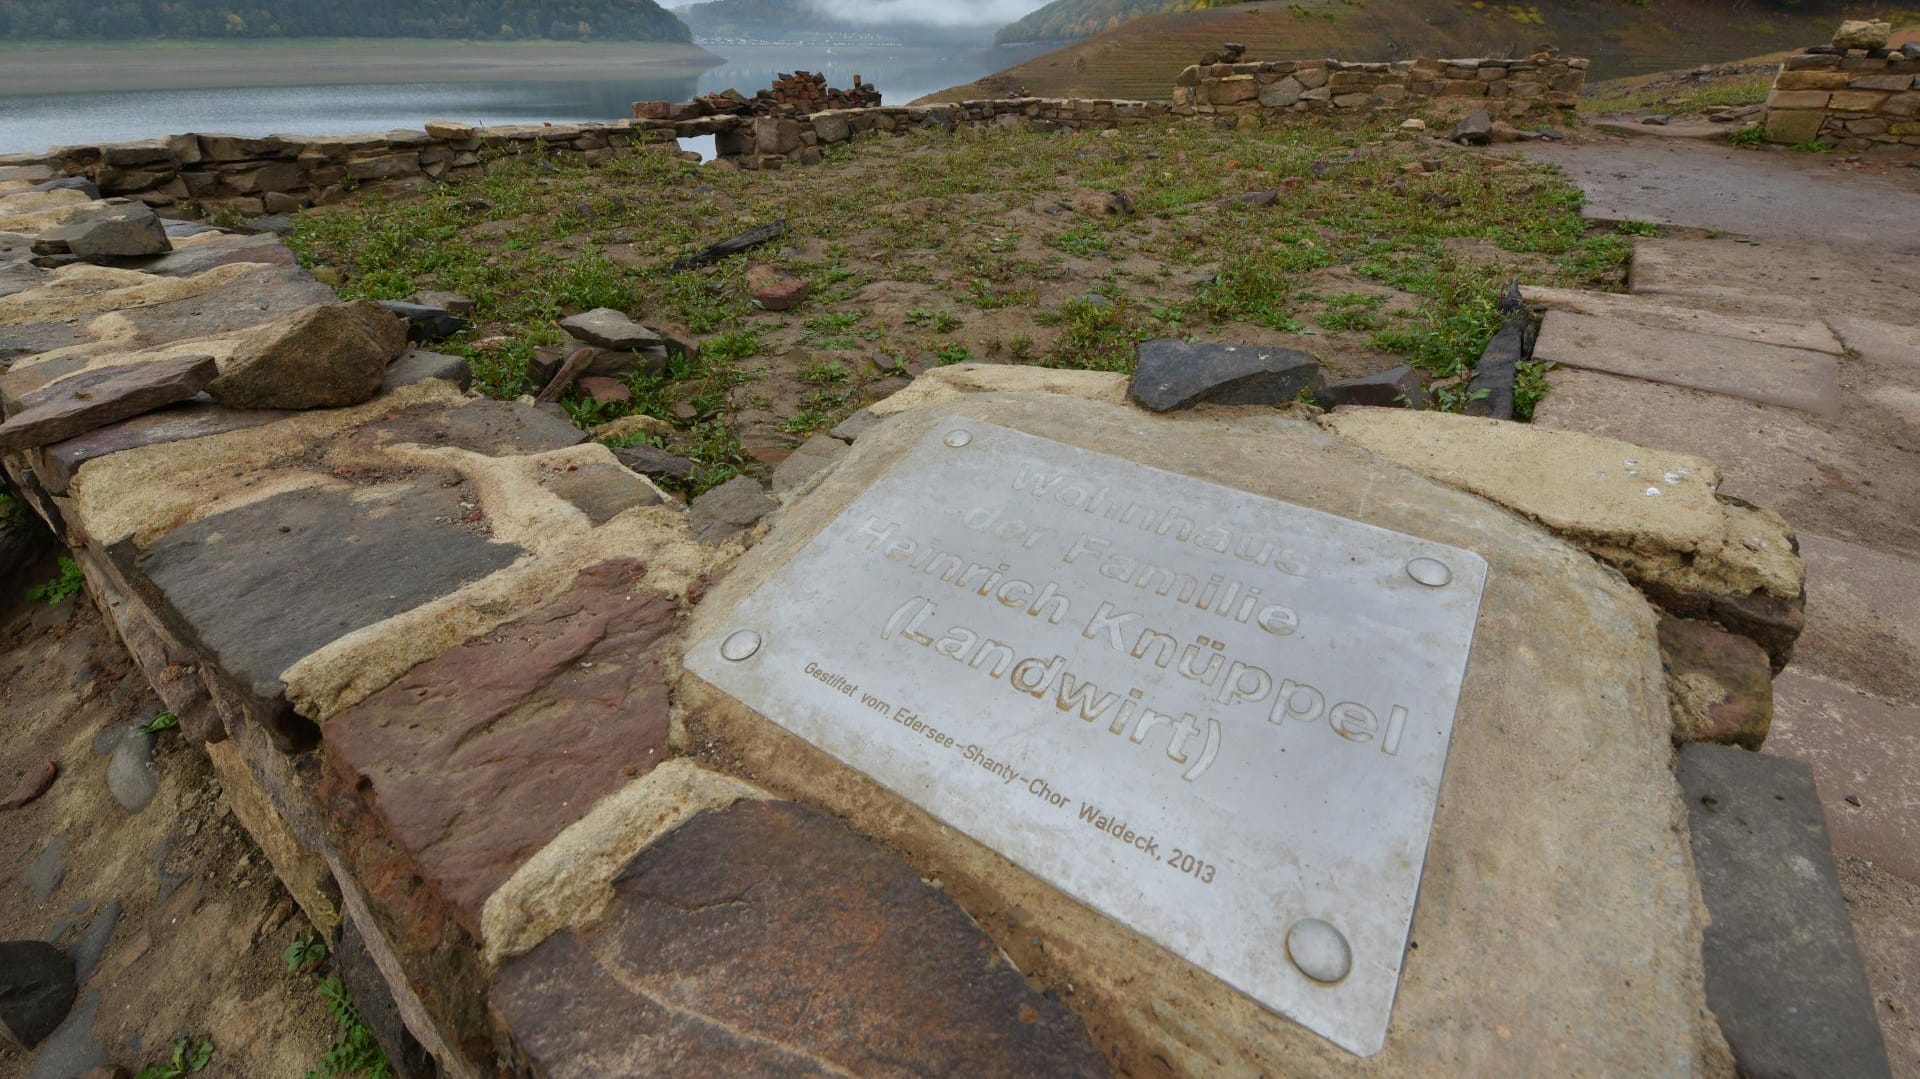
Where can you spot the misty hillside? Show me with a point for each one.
(1142, 56)
(484, 20)
(1068, 20)
(803, 21)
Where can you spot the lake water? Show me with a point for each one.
(30, 123)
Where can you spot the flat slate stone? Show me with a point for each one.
(253, 298)
(418, 365)
(1653, 313)
(1783, 974)
(813, 456)
(89, 401)
(602, 489)
(197, 418)
(653, 461)
(1180, 374)
(603, 327)
(475, 760)
(1769, 374)
(767, 939)
(348, 557)
(493, 428)
(71, 1051)
(729, 509)
(221, 251)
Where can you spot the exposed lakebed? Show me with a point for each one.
(323, 91)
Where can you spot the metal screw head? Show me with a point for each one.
(739, 645)
(1319, 950)
(1430, 572)
(957, 439)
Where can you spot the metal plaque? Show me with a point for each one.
(1218, 718)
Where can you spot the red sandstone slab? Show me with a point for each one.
(1865, 755)
(768, 939)
(473, 761)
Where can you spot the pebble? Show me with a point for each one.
(131, 775)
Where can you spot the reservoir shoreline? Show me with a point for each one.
(146, 65)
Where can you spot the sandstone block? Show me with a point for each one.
(1798, 99)
(327, 356)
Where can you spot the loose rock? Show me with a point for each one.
(571, 369)
(777, 291)
(1475, 130)
(425, 323)
(729, 509)
(94, 399)
(1396, 387)
(1719, 684)
(1180, 374)
(131, 775)
(653, 461)
(31, 785)
(1862, 34)
(453, 303)
(329, 356)
(603, 390)
(124, 232)
(37, 988)
(603, 327)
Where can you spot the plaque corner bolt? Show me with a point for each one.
(958, 437)
(740, 645)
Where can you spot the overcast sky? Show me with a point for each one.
(936, 12)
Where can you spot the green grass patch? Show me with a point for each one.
(537, 239)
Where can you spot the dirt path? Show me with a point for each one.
(174, 917)
(1775, 196)
(1825, 248)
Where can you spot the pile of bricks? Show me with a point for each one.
(800, 94)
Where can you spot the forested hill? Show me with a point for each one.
(798, 20)
(1066, 20)
(483, 20)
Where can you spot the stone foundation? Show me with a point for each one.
(1850, 99)
(1544, 81)
(196, 175)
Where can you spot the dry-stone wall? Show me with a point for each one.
(200, 174)
(1851, 99)
(1503, 87)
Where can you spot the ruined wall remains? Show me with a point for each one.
(198, 174)
(1850, 99)
(1503, 87)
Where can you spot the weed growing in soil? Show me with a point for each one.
(58, 590)
(189, 1058)
(355, 1051)
(943, 247)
